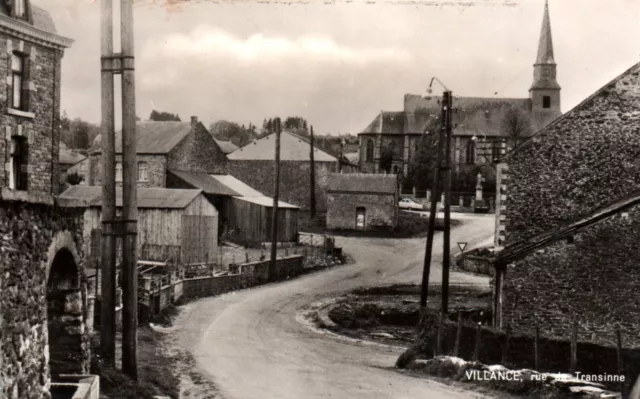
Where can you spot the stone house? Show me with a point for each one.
(43, 296)
(295, 165)
(161, 147)
(484, 127)
(585, 269)
(361, 201)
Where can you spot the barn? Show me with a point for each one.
(173, 224)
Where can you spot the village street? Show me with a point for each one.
(253, 345)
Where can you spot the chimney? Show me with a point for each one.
(194, 120)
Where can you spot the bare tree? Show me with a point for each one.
(517, 125)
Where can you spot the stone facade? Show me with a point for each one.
(582, 161)
(42, 297)
(198, 152)
(156, 170)
(594, 275)
(294, 179)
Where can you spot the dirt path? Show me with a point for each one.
(251, 344)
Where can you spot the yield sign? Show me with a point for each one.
(462, 246)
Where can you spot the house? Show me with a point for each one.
(43, 296)
(70, 162)
(246, 213)
(580, 162)
(164, 146)
(176, 224)
(585, 269)
(361, 201)
(295, 165)
(483, 126)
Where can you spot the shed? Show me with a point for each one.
(177, 224)
(362, 201)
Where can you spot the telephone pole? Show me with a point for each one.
(312, 179)
(447, 101)
(274, 211)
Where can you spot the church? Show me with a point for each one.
(484, 127)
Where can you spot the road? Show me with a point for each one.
(252, 346)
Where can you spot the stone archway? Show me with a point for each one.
(65, 309)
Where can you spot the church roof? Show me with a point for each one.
(386, 122)
(545, 47)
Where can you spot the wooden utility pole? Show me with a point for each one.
(108, 253)
(129, 196)
(432, 212)
(274, 217)
(446, 256)
(312, 181)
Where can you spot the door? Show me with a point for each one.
(361, 218)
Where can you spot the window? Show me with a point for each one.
(18, 98)
(18, 171)
(471, 152)
(142, 171)
(20, 9)
(118, 171)
(546, 101)
(368, 155)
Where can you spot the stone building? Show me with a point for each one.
(161, 147)
(43, 296)
(483, 127)
(361, 201)
(254, 164)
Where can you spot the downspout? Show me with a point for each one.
(54, 186)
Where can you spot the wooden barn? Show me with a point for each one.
(173, 224)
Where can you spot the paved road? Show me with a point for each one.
(252, 346)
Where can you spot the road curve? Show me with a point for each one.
(250, 344)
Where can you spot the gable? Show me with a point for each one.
(197, 152)
(578, 163)
(292, 148)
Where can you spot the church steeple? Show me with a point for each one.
(545, 90)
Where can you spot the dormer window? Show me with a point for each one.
(20, 8)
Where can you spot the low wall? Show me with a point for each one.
(475, 264)
(243, 276)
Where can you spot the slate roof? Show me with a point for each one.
(363, 183)
(157, 198)
(292, 148)
(68, 157)
(353, 157)
(226, 146)
(204, 182)
(519, 250)
(42, 19)
(248, 194)
(386, 122)
(152, 137)
(267, 202)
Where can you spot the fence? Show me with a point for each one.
(533, 351)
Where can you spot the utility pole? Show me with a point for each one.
(312, 182)
(108, 250)
(274, 217)
(129, 196)
(447, 101)
(342, 143)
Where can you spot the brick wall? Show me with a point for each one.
(584, 160)
(33, 235)
(156, 170)
(381, 210)
(40, 125)
(596, 276)
(198, 152)
(294, 180)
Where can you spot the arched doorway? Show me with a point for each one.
(65, 318)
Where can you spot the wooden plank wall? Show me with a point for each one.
(252, 222)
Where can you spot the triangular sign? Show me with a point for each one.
(462, 246)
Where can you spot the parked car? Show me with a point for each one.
(408, 203)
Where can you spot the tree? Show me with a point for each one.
(74, 179)
(163, 116)
(516, 124)
(386, 159)
(231, 131)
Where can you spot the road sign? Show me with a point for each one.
(462, 246)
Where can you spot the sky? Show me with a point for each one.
(339, 63)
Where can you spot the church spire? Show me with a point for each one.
(545, 46)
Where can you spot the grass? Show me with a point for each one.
(410, 225)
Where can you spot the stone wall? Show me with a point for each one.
(294, 179)
(596, 277)
(584, 160)
(39, 123)
(198, 152)
(156, 170)
(41, 271)
(381, 210)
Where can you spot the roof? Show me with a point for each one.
(68, 157)
(519, 250)
(247, 193)
(386, 122)
(292, 148)
(237, 186)
(353, 157)
(204, 182)
(162, 198)
(226, 146)
(42, 19)
(363, 183)
(152, 137)
(545, 47)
